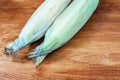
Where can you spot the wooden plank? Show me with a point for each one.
(93, 53)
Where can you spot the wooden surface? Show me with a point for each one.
(93, 53)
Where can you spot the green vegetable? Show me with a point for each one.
(38, 24)
(65, 27)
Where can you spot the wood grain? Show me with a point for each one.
(93, 53)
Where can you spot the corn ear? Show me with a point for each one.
(38, 24)
(65, 27)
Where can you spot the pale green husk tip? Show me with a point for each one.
(39, 60)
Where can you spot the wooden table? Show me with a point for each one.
(93, 53)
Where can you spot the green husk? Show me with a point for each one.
(65, 27)
(38, 24)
